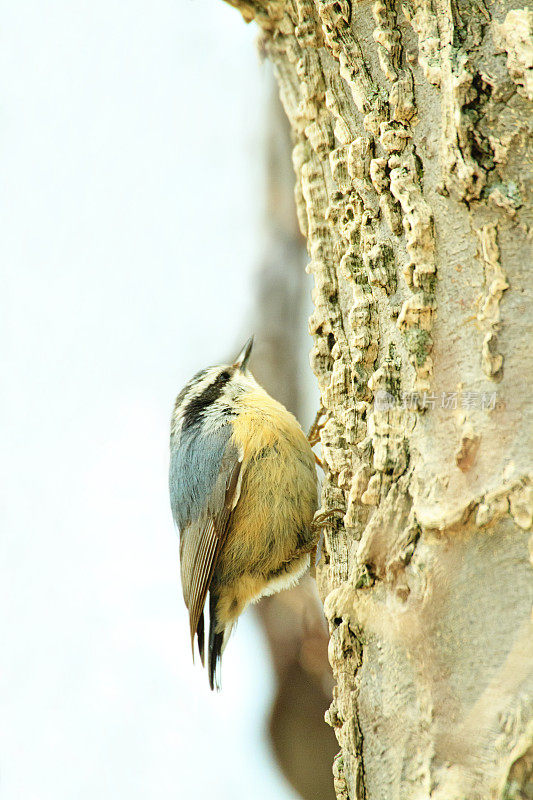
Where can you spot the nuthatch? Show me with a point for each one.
(243, 492)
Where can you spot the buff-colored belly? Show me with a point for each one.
(271, 533)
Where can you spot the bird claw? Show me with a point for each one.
(318, 462)
(320, 520)
(313, 437)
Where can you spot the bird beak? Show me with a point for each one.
(242, 359)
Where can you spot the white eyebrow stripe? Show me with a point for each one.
(192, 390)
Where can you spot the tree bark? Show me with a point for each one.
(412, 152)
(293, 621)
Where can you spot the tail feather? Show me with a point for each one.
(216, 645)
(201, 638)
(200, 633)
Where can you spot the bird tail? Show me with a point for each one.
(216, 644)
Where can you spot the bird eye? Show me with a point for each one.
(224, 376)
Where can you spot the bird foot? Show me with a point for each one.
(313, 437)
(320, 521)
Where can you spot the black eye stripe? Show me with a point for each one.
(194, 409)
(196, 379)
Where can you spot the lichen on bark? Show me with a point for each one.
(412, 153)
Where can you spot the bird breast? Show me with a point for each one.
(271, 526)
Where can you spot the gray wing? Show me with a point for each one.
(204, 488)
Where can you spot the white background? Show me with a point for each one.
(131, 186)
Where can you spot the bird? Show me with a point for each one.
(243, 493)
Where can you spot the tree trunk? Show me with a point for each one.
(293, 621)
(413, 164)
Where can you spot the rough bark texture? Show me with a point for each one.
(413, 162)
(293, 621)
